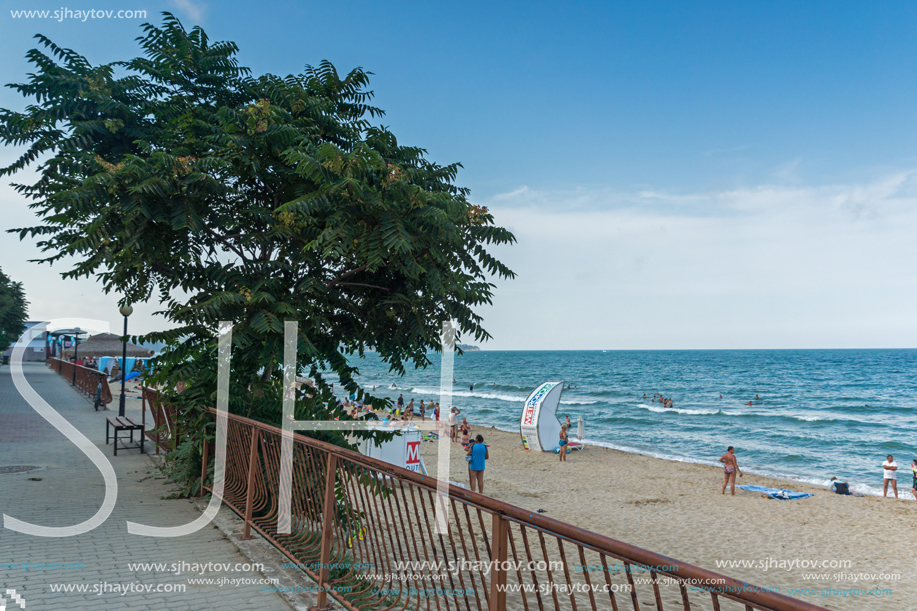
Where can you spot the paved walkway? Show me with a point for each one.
(67, 489)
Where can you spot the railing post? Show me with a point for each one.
(204, 458)
(498, 543)
(327, 533)
(250, 488)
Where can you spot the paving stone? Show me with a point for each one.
(71, 490)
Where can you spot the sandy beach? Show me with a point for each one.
(676, 509)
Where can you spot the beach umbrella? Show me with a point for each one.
(108, 344)
(580, 429)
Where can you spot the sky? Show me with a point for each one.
(678, 176)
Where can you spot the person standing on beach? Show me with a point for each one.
(450, 422)
(890, 475)
(563, 444)
(423, 411)
(914, 469)
(479, 453)
(730, 468)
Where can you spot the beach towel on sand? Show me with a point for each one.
(780, 494)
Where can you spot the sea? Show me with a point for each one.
(819, 413)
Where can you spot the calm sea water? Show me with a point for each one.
(821, 412)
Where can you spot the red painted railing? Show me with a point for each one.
(359, 523)
(85, 379)
(164, 432)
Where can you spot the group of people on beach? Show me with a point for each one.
(889, 475)
(406, 412)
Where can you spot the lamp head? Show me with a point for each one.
(126, 310)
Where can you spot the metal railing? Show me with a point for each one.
(85, 379)
(363, 529)
(164, 432)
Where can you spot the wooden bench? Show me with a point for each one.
(120, 423)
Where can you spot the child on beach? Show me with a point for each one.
(730, 468)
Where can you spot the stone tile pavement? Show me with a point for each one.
(67, 489)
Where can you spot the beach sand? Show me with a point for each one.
(676, 509)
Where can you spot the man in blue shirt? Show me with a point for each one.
(478, 453)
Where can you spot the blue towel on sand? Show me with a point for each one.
(780, 494)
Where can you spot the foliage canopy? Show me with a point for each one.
(180, 176)
(13, 310)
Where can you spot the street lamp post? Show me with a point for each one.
(76, 349)
(126, 311)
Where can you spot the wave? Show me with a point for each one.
(679, 410)
(467, 393)
(429, 391)
(742, 414)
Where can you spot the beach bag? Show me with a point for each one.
(841, 488)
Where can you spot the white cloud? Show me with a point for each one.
(193, 10)
(766, 266)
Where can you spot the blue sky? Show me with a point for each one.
(724, 175)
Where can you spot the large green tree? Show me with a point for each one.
(13, 310)
(181, 177)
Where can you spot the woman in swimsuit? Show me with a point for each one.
(563, 443)
(730, 468)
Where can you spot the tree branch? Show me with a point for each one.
(225, 242)
(337, 280)
(372, 286)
